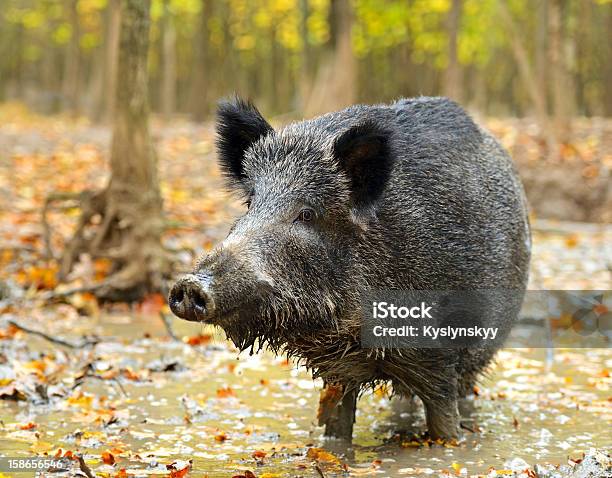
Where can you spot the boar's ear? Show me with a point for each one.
(363, 154)
(239, 125)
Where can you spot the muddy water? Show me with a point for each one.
(156, 400)
(216, 408)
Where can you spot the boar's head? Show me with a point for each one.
(293, 264)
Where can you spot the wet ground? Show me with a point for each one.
(139, 402)
(154, 400)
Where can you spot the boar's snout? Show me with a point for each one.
(191, 299)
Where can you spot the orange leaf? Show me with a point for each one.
(225, 392)
(130, 374)
(9, 332)
(179, 473)
(328, 399)
(195, 340)
(108, 458)
(600, 309)
(259, 454)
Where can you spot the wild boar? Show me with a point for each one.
(412, 195)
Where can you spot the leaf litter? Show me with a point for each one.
(128, 399)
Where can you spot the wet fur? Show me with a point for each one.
(424, 199)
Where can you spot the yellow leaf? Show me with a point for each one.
(319, 454)
(571, 241)
(81, 400)
(41, 447)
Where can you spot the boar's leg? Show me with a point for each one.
(340, 422)
(442, 418)
(441, 404)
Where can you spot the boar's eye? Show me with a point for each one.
(305, 215)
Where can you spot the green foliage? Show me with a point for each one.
(247, 42)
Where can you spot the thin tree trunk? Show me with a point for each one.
(528, 79)
(480, 89)
(305, 82)
(541, 51)
(561, 86)
(72, 65)
(335, 85)
(584, 45)
(93, 100)
(345, 74)
(453, 84)
(200, 84)
(607, 63)
(110, 58)
(168, 99)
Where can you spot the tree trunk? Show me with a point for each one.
(607, 63)
(72, 64)
(131, 222)
(453, 84)
(561, 85)
(345, 65)
(168, 99)
(528, 79)
(199, 97)
(541, 48)
(335, 85)
(480, 90)
(305, 82)
(110, 58)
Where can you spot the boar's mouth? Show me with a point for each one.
(254, 315)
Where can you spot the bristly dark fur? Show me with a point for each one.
(239, 125)
(363, 153)
(411, 196)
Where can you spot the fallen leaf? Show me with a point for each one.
(108, 458)
(225, 392)
(328, 399)
(196, 340)
(318, 454)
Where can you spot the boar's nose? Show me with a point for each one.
(190, 299)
